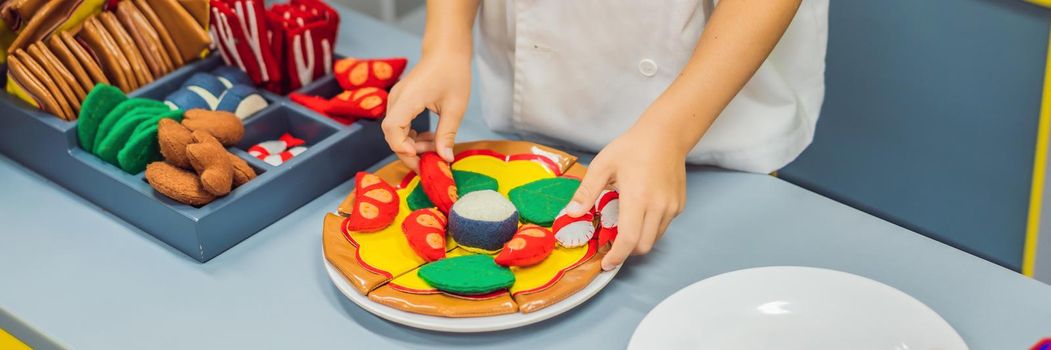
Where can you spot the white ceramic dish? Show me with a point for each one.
(786, 307)
(467, 325)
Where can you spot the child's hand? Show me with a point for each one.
(441, 83)
(650, 175)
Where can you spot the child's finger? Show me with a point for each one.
(650, 224)
(595, 180)
(448, 125)
(629, 225)
(396, 126)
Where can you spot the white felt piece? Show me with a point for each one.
(226, 82)
(273, 146)
(484, 205)
(608, 214)
(171, 105)
(250, 105)
(575, 234)
(295, 151)
(274, 159)
(208, 98)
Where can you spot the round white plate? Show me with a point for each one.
(472, 324)
(786, 307)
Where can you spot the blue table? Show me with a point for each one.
(72, 275)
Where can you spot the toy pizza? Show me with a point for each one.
(486, 235)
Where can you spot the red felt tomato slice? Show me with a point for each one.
(353, 73)
(437, 180)
(425, 230)
(375, 204)
(573, 232)
(608, 208)
(529, 246)
(369, 102)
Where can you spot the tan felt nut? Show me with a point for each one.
(209, 158)
(109, 57)
(57, 78)
(82, 56)
(225, 126)
(65, 112)
(173, 138)
(162, 31)
(32, 86)
(127, 46)
(43, 22)
(66, 58)
(178, 184)
(145, 37)
(63, 72)
(189, 37)
(242, 171)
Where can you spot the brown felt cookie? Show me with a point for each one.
(162, 32)
(16, 12)
(145, 38)
(33, 87)
(72, 55)
(127, 47)
(43, 22)
(242, 171)
(225, 126)
(173, 138)
(64, 110)
(211, 162)
(112, 61)
(178, 184)
(56, 77)
(189, 37)
(61, 71)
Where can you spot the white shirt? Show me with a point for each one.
(578, 73)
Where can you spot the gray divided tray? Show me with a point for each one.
(49, 146)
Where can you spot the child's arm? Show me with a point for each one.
(647, 162)
(441, 82)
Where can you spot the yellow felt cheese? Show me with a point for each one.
(412, 280)
(507, 174)
(388, 249)
(536, 276)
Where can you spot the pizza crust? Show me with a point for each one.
(439, 304)
(344, 256)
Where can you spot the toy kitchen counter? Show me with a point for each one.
(72, 275)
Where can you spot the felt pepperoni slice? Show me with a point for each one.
(437, 180)
(425, 230)
(353, 73)
(608, 207)
(375, 204)
(368, 102)
(573, 232)
(529, 246)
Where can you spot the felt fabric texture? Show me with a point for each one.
(282, 144)
(425, 231)
(61, 107)
(608, 207)
(38, 94)
(172, 139)
(466, 182)
(190, 39)
(186, 99)
(241, 100)
(210, 160)
(529, 246)
(417, 199)
(118, 113)
(142, 148)
(376, 204)
(540, 201)
(573, 232)
(179, 184)
(467, 275)
(367, 102)
(483, 221)
(437, 180)
(225, 126)
(208, 82)
(67, 59)
(354, 73)
(242, 171)
(99, 102)
(113, 140)
(231, 76)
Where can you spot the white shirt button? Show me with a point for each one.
(647, 67)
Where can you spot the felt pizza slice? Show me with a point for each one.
(425, 230)
(353, 73)
(436, 178)
(375, 204)
(529, 246)
(367, 102)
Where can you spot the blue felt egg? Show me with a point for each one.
(482, 221)
(185, 99)
(242, 100)
(231, 76)
(206, 82)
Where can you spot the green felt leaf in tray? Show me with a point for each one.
(539, 202)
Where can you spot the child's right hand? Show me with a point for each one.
(441, 83)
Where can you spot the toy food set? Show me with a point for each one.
(364, 84)
(277, 152)
(483, 236)
(119, 102)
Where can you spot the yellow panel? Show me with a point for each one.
(9, 342)
(1036, 193)
(1046, 3)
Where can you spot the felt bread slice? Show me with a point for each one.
(33, 87)
(198, 9)
(64, 109)
(162, 31)
(145, 38)
(62, 71)
(125, 62)
(16, 12)
(66, 59)
(80, 55)
(43, 22)
(189, 37)
(109, 56)
(127, 46)
(60, 78)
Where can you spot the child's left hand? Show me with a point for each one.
(650, 174)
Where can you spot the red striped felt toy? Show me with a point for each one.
(425, 231)
(375, 204)
(437, 181)
(608, 207)
(239, 28)
(529, 246)
(353, 73)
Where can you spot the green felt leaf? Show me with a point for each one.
(540, 201)
(466, 182)
(467, 275)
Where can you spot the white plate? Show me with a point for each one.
(786, 307)
(472, 324)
